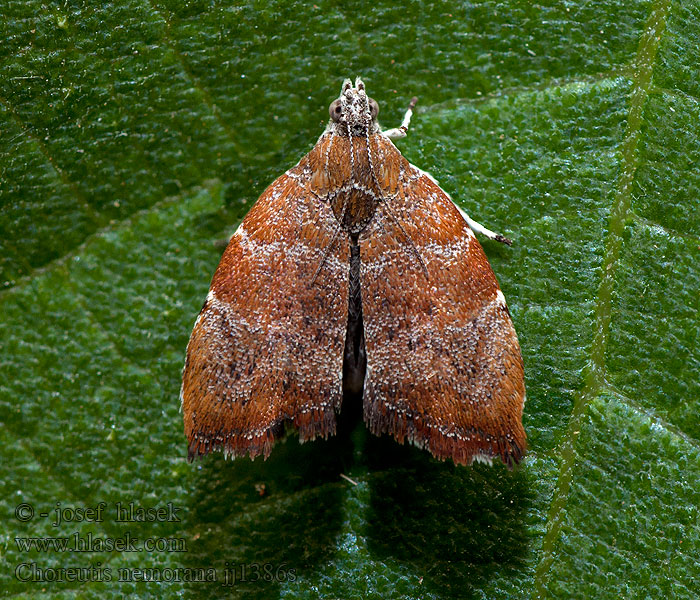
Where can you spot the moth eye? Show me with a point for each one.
(373, 108)
(334, 109)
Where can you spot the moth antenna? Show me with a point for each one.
(328, 150)
(371, 162)
(352, 149)
(326, 253)
(328, 249)
(408, 239)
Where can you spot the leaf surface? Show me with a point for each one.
(134, 135)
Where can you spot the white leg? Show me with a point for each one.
(400, 132)
(479, 228)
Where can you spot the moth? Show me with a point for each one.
(355, 275)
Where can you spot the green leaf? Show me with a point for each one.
(135, 135)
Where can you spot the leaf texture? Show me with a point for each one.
(134, 135)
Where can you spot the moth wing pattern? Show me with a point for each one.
(444, 369)
(267, 346)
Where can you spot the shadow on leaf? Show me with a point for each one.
(282, 514)
(455, 526)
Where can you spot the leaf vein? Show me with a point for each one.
(595, 377)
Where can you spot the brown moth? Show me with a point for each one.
(354, 273)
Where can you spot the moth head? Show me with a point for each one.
(354, 113)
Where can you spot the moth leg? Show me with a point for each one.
(479, 228)
(400, 132)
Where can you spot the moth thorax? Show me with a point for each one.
(354, 208)
(355, 196)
